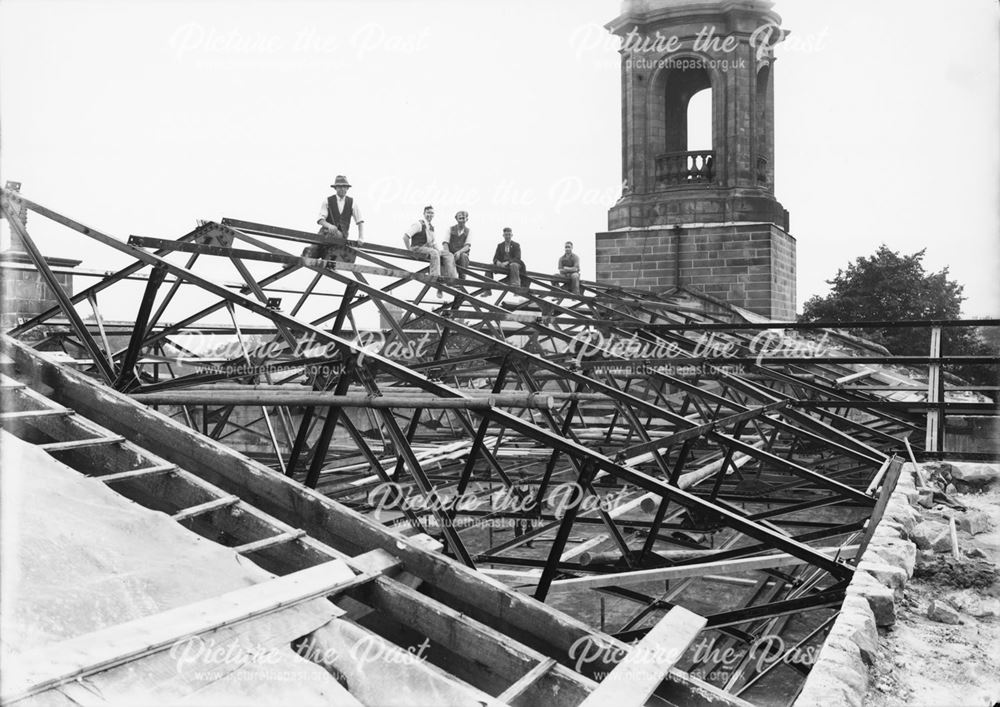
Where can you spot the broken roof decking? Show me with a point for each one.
(708, 472)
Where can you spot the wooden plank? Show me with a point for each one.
(75, 658)
(647, 664)
(738, 461)
(78, 443)
(529, 679)
(146, 471)
(888, 485)
(921, 482)
(206, 507)
(860, 375)
(281, 539)
(29, 414)
(934, 420)
(583, 547)
(376, 561)
(873, 486)
(720, 567)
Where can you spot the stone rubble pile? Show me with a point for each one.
(916, 522)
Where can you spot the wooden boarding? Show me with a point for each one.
(648, 662)
(50, 666)
(142, 475)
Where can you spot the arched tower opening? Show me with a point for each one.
(764, 126)
(686, 153)
(698, 209)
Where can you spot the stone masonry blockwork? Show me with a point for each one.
(747, 265)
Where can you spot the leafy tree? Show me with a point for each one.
(888, 286)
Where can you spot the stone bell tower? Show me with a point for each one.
(706, 220)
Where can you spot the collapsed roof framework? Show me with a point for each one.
(763, 473)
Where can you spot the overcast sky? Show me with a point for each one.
(140, 118)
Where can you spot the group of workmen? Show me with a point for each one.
(340, 210)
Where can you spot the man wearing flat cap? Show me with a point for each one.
(338, 211)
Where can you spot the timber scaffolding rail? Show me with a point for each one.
(737, 485)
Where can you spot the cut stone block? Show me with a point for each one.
(925, 532)
(973, 522)
(889, 575)
(899, 553)
(942, 613)
(975, 475)
(880, 598)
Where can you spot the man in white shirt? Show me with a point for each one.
(457, 241)
(337, 212)
(419, 238)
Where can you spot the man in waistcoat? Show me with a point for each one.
(569, 269)
(339, 210)
(508, 256)
(457, 241)
(420, 239)
(335, 216)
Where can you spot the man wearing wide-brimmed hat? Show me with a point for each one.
(339, 210)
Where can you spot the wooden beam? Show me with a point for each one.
(207, 507)
(281, 539)
(647, 664)
(53, 665)
(138, 473)
(720, 567)
(529, 679)
(935, 423)
(886, 488)
(33, 414)
(506, 658)
(844, 380)
(78, 443)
